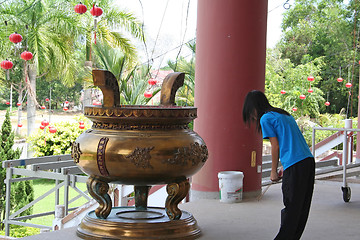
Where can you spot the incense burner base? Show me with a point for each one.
(130, 223)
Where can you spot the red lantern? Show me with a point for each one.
(20, 125)
(327, 103)
(44, 123)
(302, 96)
(43, 107)
(81, 126)
(148, 94)
(310, 90)
(311, 78)
(294, 109)
(81, 123)
(46, 99)
(340, 79)
(65, 109)
(26, 55)
(96, 103)
(152, 81)
(42, 126)
(18, 104)
(282, 91)
(52, 129)
(80, 8)
(6, 64)
(15, 38)
(96, 11)
(7, 103)
(348, 85)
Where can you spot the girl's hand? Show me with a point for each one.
(274, 176)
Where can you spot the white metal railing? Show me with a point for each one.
(60, 168)
(347, 151)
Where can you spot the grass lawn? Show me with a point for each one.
(47, 204)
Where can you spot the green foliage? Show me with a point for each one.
(44, 143)
(325, 28)
(282, 74)
(132, 80)
(306, 125)
(185, 95)
(22, 191)
(21, 231)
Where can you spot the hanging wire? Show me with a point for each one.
(143, 41)
(183, 39)
(157, 36)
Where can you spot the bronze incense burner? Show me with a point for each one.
(140, 146)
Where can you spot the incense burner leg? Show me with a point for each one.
(141, 197)
(98, 189)
(176, 193)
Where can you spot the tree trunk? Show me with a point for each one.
(31, 107)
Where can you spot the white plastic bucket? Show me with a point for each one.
(230, 186)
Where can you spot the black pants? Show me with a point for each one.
(297, 188)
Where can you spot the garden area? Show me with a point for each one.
(49, 48)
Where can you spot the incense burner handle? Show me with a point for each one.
(109, 86)
(170, 85)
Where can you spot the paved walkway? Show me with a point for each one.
(330, 217)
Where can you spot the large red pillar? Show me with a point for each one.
(230, 61)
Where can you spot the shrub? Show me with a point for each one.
(44, 143)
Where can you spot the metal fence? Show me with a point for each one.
(60, 168)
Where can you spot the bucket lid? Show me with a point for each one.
(230, 174)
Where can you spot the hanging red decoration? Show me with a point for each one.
(42, 126)
(152, 81)
(294, 109)
(15, 38)
(46, 99)
(340, 79)
(65, 109)
(81, 123)
(302, 96)
(96, 11)
(148, 94)
(26, 55)
(43, 107)
(81, 126)
(44, 123)
(20, 125)
(18, 104)
(6, 64)
(7, 103)
(66, 102)
(80, 8)
(282, 91)
(327, 103)
(52, 129)
(348, 85)
(96, 103)
(311, 78)
(310, 90)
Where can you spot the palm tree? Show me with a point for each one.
(185, 95)
(132, 80)
(52, 30)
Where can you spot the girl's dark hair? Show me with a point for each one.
(255, 105)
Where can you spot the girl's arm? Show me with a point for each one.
(274, 176)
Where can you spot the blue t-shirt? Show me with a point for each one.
(292, 144)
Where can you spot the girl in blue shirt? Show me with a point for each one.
(289, 146)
